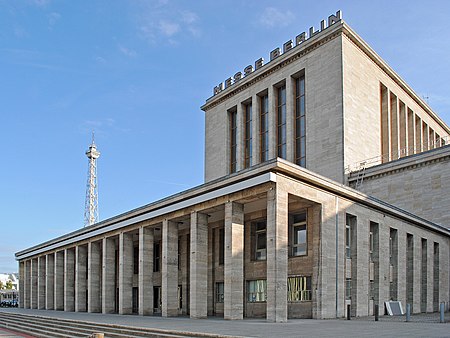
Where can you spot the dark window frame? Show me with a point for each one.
(300, 121)
(264, 128)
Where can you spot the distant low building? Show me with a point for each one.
(13, 277)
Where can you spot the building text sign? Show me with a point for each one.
(287, 46)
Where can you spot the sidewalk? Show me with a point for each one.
(361, 327)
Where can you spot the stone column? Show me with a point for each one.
(22, 284)
(199, 266)
(277, 254)
(256, 128)
(108, 275)
(69, 279)
(59, 280)
(272, 96)
(145, 271)
(50, 281)
(34, 283)
(234, 261)
(169, 283)
(290, 119)
(401, 269)
(240, 153)
(430, 273)
(360, 266)
(125, 273)
(27, 285)
(80, 278)
(417, 257)
(41, 283)
(94, 276)
(384, 265)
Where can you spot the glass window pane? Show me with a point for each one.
(302, 106)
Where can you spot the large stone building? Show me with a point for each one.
(326, 185)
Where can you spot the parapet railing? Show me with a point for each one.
(403, 152)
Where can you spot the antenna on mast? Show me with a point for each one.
(91, 202)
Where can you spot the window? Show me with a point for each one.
(233, 141)
(180, 297)
(257, 291)
(260, 240)
(300, 122)
(136, 260)
(264, 129)
(281, 122)
(371, 246)
(348, 235)
(299, 235)
(179, 253)
(348, 289)
(299, 288)
(248, 136)
(156, 257)
(219, 292)
(221, 246)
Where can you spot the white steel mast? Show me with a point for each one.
(91, 203)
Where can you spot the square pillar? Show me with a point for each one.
(430, 275)
(125, 273)
(256, 127)
(21, 284)
(360, 267)
(272, 96)
(49, 281)
(290, 119)
(240, 153)
(277, 254)
(199, 266)
(108, 275)
(27, 285)
(41, 283)
(69, 279)
(401, 272)
(417, 264)
(94, 277)
(59, 280)
(34, 283)
(169, 282)
(80, 278)
(234, 261)
(145, 278)
(384, 266)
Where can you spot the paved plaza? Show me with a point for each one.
(426, 325)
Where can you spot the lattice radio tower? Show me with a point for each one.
(91, 203)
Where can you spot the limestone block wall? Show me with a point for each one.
(408, 122)
(324, 153)
(422, 188)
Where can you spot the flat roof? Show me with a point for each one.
(254, 176)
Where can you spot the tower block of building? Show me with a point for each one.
(326, 191)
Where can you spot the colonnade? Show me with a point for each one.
(85, 276)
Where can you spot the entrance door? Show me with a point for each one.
(156, 299)
(135, 300)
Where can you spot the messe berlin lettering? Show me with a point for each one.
(287, 46)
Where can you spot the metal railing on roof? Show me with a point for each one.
(403, 152)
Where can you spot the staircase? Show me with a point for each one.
(46, 327)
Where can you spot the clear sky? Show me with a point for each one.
(136, 72)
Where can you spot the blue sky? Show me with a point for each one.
(136, 72)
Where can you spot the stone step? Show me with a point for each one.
(42, 328)
(84, 329)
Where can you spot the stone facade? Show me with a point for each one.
(418, 184)
(266, 237)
